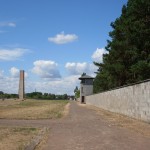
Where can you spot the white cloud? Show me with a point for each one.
(9, 85)
(63, 38)
(26, 74)
(11, 24)
(78, 68)
(98, 55)
(1, 74)
(7, 24)
(62, 86)
(12, 54)
(14, 72)
(46, 69)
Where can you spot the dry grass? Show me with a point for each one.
(43, 142)
(115, 119)
(16, 138)
(32, 109)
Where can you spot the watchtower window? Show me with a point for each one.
(87, 81)
(83, 81)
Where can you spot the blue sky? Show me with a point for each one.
(54, 41)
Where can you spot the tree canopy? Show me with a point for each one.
(48, 96)
(128, 60)
(77, 92)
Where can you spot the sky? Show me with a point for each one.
(54, 41)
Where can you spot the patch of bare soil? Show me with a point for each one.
(66, 110)
(43, 142)
(122, 120)
(16, 138)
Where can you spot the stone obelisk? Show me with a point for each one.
(21, 85)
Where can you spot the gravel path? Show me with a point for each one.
(83, 129)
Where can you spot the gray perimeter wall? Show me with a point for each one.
(133, 101)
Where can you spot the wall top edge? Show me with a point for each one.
(127, 85)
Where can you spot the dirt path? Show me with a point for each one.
(83, 129)
(27, 123)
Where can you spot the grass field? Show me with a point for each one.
(32, 109)
(16, 138)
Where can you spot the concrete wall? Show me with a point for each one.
(133, 101)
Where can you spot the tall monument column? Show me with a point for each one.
(21, 85)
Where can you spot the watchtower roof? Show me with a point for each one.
(85, 77)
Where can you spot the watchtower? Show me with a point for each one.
(86, 87)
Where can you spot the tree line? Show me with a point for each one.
(128, 57)
(48, 96)
(37, 95)
(6, 95)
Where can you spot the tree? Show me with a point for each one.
(77, 92)
(64, 96)
(35, 95)
(51, 96)
(128, 60)
(83, 74)
(1, 92)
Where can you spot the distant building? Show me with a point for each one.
(86, 87)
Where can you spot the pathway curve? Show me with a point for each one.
(83, 129)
